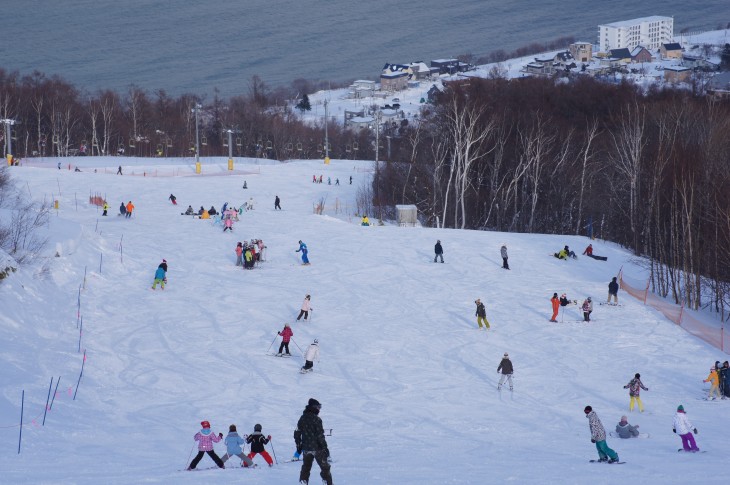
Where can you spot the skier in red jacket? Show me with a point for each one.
(286, 335)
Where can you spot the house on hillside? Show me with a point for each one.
(623, 55)
(640, 54)
(446, 66)
(719, 85)
(699, 63)
(393, 81)
(677, 74)
(581, 51)
(432, 94)
(420, 70)
(671, 50)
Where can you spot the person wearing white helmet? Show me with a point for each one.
(309, 356)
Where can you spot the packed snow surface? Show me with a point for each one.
(406, 380)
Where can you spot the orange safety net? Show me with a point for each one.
(713, 335)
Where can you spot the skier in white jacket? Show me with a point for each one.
(309, 356)
(684, 429)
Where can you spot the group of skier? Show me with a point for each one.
(249, 253)
(309, 439)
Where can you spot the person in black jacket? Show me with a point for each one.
(257, 441)
(613, 291)
(277, 203)
(439, 252)
(506, 368)
(313, 443)
(481, 314)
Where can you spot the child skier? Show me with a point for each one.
(587, 309)
(257, 441)
(160, 277)
(286, 335)
(233, 447)
(625, 430)
(598, 436)
(684, 429)
(303, 249)
(239, 254)
(309, 356)
(481, 314)
(635, 386)
(507, 370)
(306, 308)
(205, 438)
(714, 381)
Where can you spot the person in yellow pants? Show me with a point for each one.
(635, 386)
(481, 314)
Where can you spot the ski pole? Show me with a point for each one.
(271, 442)
(300, 349)
(189, 455)
(272, 342)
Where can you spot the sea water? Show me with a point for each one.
(197, 46)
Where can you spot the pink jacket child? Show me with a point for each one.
(205, 438)
(286, 335)
(239, 254)
(228, 222)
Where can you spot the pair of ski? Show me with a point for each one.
(608, 462)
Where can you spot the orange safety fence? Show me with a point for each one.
(714, 335)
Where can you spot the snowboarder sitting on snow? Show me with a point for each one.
(205, 438)
(507, 370)
(587, 309)
(212, 211)
(588, 251)
(365, 221)
(286, 335)
(635, 386)
(439, 250)
(598, 436)
(625, 430)
(313, 443)
(257, 441)
(205, 215)
(309, 356)
(481, 314)
(233, 447)
(201, 210)
(189, 211)
(684, 429)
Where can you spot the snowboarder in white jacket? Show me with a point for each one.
(598, 436)
(684, 429)
(309, 356)
(503, 252)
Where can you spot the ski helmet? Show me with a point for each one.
(257, 428)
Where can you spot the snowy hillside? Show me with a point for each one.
(407, 382)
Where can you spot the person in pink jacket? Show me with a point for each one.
(205, 438)
(286, 335)
(239, 254)
(228, 223)
(306, 308)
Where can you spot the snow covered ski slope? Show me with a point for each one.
(406, 380)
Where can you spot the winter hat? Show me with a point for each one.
(624, 419)
(164, 261)
(205, 424)
(555, 295)
(680, 409)
(637, 375)
(232, 428)
(314, 403)
(588, 409)
(316, 341)
(257, 428)
(506, 354)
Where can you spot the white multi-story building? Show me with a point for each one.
(650, 32)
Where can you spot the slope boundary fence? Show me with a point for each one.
(713, 335)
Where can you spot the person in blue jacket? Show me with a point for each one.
(233, 447)
(303, 249)
(159, 277)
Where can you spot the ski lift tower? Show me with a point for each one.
(230, 133)
(197, 139)
(8, 123)
(326, 138)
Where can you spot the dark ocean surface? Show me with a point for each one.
(196, 46)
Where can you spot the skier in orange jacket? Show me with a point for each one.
(556, 307)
